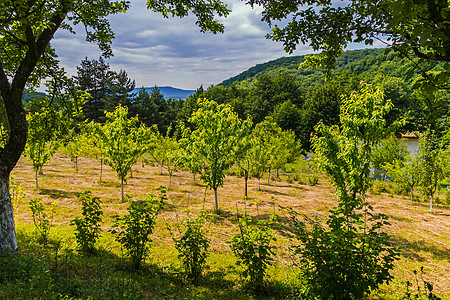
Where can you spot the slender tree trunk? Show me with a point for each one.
(160, 171)
(431, 204)
(131, 172)
(246, 180)
(170, 180)
(259, 186)
(7, 227)
(283, 170)
(216, 201)
(101, 169)
(412, 195)
(268, 178)
(277, 173)
(193, 174)
(121, 186)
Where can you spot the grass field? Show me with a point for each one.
(423, 238)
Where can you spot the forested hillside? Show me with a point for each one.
(298, 98)
(367, 62)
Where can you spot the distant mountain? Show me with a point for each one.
(27, 95)
(168, 92)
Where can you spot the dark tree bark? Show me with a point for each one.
(11, 94)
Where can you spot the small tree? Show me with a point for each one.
(350, 255)
(192, 245)
(253, 249)
(123, 142)
(431, 165)
(42, 139)
(405, 173)
(94, 141)
(389, 151)
(74, 149)
(41, 218)
(88, 228)
(134, 229)
(166, 151)
(215, 140)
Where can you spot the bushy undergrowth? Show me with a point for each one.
(42, 218)
(192, 245)
(254, 249)
(87, 227)
(133, 230)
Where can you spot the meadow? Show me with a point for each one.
(57, 270)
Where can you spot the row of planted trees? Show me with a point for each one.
(213, 140)
(426, 169)
(344, 255)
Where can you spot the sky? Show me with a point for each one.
(173, 52)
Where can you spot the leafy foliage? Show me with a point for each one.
(123, 141)
(352, 256)
(41, 218)
(214, 141)
(88, 228)
(252, 246)
(192, 245)
(133, 230)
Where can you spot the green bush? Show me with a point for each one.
(192, 245)
(253, 249)
(88, 228)
(134, 229)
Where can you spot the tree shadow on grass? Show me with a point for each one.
(57, 194)
(273, 192)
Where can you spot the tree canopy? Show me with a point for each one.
(409, 27)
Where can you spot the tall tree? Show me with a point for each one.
(95, 77)
(218, 132)
(120, 91)
(27, 27)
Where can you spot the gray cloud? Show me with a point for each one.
(158, 51)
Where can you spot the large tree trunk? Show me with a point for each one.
(7, 227)
(11, 90)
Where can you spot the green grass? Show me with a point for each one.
(57, 270)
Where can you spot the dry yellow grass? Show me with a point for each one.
(422, 237)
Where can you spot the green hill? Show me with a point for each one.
(367, 63)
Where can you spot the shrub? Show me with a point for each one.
(133, 230)
(88, 228)
(253, 249)
(192, 245)
(42, 221)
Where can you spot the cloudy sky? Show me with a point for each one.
(173, 52)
